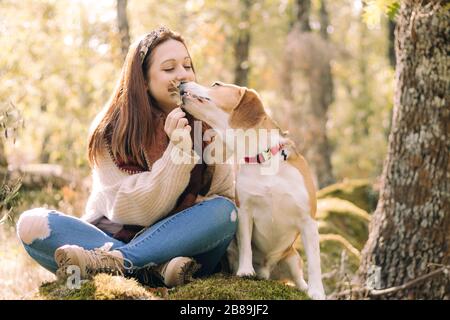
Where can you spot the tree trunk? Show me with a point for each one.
(324, 99)
(324, 20)
(303, 12)
(122, 22)
(410, 230)
(242, 45)
(391, 45)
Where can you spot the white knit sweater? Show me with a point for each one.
(146, 197)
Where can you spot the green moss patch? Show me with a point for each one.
(226, 287)
(361, 192)
(101, 287)
(337, 216)
(219, 286)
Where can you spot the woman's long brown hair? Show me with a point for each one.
(129, 121)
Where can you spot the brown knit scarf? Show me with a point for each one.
(199, 183)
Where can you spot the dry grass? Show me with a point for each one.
(20, 275)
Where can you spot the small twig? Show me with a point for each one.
(376, 293)
(343, 259)
(437, 265)
(329, 275)
(338, 238)
(349, 285)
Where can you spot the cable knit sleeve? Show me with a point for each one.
(142, 198)
(223, 180)
(222, 183)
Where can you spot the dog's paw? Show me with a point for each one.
(246, 272)
(302, 285)
(316, 294)
(263, 273)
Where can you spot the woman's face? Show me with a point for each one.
(169, 61)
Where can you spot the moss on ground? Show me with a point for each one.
(101, 287)
(360, 192)
(58, 291)
(224, 287)
(219, 286)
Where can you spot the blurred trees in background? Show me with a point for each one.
(308, 54)
(123, 26)
(242, 44)
(61, 59)
(56, 68)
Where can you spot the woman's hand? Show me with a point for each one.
(178, 129)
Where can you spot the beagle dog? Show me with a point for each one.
(275, 208)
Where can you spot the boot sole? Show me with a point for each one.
(187, 272)
(60, 256)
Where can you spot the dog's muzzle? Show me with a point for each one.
(184, 93)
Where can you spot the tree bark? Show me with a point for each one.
(242, 46)
(124, 30)
(410, 230)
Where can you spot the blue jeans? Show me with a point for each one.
(202, 231)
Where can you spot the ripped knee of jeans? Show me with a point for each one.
(33, 224)
(230, 208)
(233, 216)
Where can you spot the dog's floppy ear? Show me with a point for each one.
(249, 111)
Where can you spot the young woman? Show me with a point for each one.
(147, 214)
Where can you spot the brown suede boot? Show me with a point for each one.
(90, 262)
(175, 272)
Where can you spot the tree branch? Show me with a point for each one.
(376, 293)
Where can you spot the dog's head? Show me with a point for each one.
(223, 105)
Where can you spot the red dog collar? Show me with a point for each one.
(266, 155)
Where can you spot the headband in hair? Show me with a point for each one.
(148, 40)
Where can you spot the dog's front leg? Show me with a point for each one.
(244, 240)
(310, 238)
